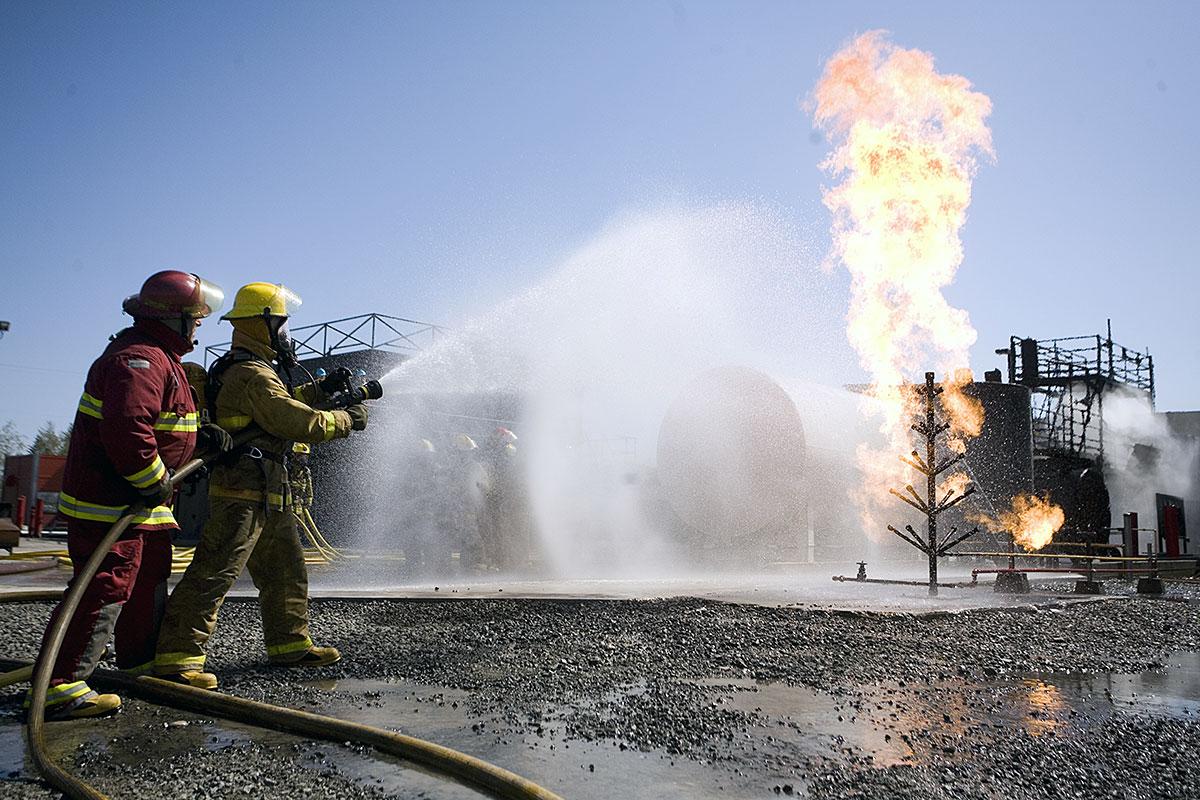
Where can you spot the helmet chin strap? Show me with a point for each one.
(183, 325)
(187, 329)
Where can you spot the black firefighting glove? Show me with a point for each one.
(157, 494)
(213, 439)
(336, 381)
(358, 416)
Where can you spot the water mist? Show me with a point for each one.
(583, 366)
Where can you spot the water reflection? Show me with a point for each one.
(1044, 706)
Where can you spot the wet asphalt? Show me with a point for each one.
(735, 700)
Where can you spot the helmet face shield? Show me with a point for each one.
(212, 297)
(289, 300)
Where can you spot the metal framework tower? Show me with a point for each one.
(347, 335)
(1069, 378)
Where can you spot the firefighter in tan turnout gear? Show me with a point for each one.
(251, 524)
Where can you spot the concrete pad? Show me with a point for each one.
(807, 585)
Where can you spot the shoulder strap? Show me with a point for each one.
(217, 371)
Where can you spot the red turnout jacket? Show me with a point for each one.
(136, 420)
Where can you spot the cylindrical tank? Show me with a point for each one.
(731, 455)
(1001, 457)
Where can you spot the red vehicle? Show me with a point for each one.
(36, 476)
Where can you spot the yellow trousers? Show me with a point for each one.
(240, 534)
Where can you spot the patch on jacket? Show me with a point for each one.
(138, 363)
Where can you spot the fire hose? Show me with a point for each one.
(495, 780)
(35, 732)
(487, 776)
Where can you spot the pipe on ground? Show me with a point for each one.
(1071, 570)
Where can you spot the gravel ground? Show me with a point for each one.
(625, 673)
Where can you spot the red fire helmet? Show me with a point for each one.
(171, 293)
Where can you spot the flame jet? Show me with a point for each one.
(906, 143)
(1033, 521)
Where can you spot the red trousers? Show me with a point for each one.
(126, 598)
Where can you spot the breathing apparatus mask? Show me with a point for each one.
(281, 339)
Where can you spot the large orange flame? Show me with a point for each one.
(906, 141)
(1033, 521)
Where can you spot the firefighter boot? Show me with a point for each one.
(312, 657)
(192, 677)
(81, 703)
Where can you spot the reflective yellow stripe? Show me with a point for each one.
(90, 406)
(140, 669)
(172, 660)
(156, 517)
(66, 691)
(150, 475)
(91, 511)
(234, 422)
(72, 507)
(252, 495)
(330, 424)
(168, 421)
(291, 647)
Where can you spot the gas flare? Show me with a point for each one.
(956, 482)
(1033, 521)
(906, 142)
(962, 411)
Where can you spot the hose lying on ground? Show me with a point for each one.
(495, 780)
(35, 731)
(487, 776)
(19, 675)
(26, 565)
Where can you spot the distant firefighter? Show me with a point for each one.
(506, 544)
(425, 551)
(463, 504)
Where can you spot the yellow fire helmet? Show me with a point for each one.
(254, 299)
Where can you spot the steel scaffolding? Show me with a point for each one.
(1069, 378)
(364, 332)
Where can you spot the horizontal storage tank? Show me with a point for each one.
(731, 456)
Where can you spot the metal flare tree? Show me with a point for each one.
(930, 429)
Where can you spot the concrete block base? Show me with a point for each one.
(1012, 583)
(1150, 586)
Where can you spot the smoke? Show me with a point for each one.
(593, 356)
(907, 140)
(1144, 456)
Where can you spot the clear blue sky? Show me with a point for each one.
(421, 159)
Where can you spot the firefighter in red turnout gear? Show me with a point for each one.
(135, 424)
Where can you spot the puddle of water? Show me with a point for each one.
(800, 720)
(1171, 691)
(880, 724)
(581, 770)
(882, 721)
